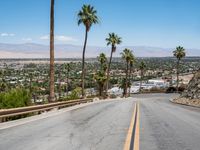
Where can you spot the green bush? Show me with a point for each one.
(75, 94)
(18, 97)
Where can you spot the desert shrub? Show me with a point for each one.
(171, 89)
(75, 94)
(113, 96)
(157, 90)
(154, 90)
(18, 97)
(181, 88)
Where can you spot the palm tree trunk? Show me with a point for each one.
(83, 64)
(100, 91)
(52, 94)
(129, 92)
(67, 82)
(30, 86)
(126, 86)
(141, 76)
(108, 71)
(59, 84)
(177, 84)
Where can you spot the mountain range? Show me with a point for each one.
(32, 50)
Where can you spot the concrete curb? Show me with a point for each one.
(172, 101)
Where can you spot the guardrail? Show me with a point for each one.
(38, 108)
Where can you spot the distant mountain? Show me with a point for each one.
(32, 50)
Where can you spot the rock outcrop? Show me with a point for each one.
(193, 88)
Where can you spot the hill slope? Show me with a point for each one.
(32, 50)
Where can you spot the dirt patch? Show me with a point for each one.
(186, 101)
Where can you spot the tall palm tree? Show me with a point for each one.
(142, 66)
(51, 84)
(86, 16)
(179, 53)
(132, 61)
(126, 55)
(113, 40)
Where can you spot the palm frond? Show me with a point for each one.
(87, 16)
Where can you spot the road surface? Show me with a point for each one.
(101, 126)
(104, 126)
(168, 126)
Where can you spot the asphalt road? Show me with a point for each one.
(104, 125)
(101, 126)
(168, 126)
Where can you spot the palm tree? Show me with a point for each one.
(100, 76)
(179, 53)
(86, 16)
(142, 66)
(127, 56)
(51, 84)
(122, 85)
(103, 60)
(132, 61)
(113, 40)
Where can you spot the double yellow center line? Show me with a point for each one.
(133, 135)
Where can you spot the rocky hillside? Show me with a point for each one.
(191, 96)
(193, 89)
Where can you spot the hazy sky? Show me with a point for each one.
(162, 23)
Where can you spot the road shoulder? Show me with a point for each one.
(54, 112)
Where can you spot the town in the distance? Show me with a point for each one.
(158, 75)
(99, 75)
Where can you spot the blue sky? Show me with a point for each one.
(160, 23)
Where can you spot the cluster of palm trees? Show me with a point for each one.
(142, 67)
(88, 17)
(100, 75)
(129, 58)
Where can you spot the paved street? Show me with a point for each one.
(167, 126)
(104, 126)
(101, 126)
